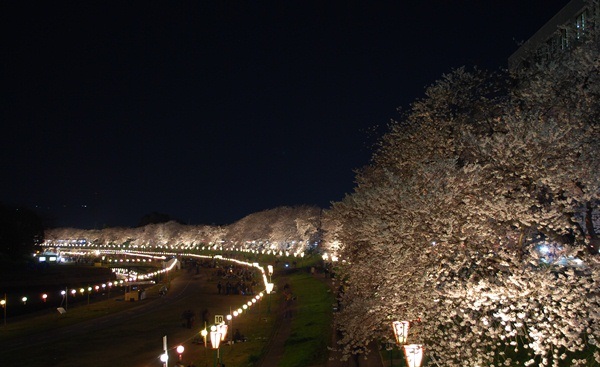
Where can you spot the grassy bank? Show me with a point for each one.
(311, 322)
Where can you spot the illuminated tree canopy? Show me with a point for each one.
(280, 229)
(476, 216)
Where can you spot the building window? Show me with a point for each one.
(580, 24)
(564, 38)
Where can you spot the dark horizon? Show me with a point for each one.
(211, 111)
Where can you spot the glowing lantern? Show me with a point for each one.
(215, 337)
(400, 331)
(414, 354)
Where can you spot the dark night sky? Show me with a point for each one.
(212, 110)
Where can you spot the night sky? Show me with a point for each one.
(211, 110)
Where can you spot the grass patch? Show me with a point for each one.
(137, 340)
(311, 322)
(51, 319)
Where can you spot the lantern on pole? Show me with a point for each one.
(401, 331)
(180, 350)
(204, 333)
(3, 304)
(215, 340)
(414, 354)
(269, 289)
(222, 329)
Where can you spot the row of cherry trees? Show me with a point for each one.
(475, 217)
(283, 228)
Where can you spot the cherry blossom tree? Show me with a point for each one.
(472, 218)
(284, 228)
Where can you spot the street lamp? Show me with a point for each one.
(66, 298)
(230, 319)
(180, 350)
(215, 340)
(3, 304)
(204, 333)
(414, 354)
(269, 289)
(164, 358)
(222, 329)
(257, 300)
(401, 331)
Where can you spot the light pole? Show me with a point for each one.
(412, 352)
(204, 333)
(270, 270)
(64, 294)
(165, 356)
(3, 303)
(215, 340)
(230, 319)
(269, 290)
(401, 331)
(222, 329)
(414, 355)
(180, 350)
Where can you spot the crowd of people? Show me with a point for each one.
(235, 280)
